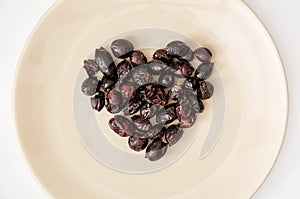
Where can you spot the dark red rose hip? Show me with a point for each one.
(205, 90)
(162, 55)
(108, 83)
(127, 89)
(123, 68)
(177, 49)
(204, 71)
(141, 76)
(121, 48)
(89, 86)
(203, 54)
(176, 92)
(156, 150)
(148, 111)
(133, 106)
(188, 57)
(121, 125)
(137, 144)
(91, 67)
(166, 79)
(167, 115)
(138, 58)
(188, 122)
(182, 69)
(105, 62)
(191, 83)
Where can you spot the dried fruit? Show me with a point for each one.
(205, 90)
(98, 101)
(105, 62)
(173, 134)
(121, 125)
(91, 67)
(156, 150)
(137, 144)
(203, 54)
(89, 86)
(204, 71)
(121, 48)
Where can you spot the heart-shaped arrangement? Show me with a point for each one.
(158, 98)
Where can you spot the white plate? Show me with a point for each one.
(249, 74)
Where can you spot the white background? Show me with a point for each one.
(17, 19)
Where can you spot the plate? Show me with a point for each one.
(227, 154)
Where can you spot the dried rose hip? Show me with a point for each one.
(156, 150)
(89, 86)
(91, 67)
(162, 55)
(141, 76)
(156, 132)
(203, 54)
(205, 90)
(121, 125)
(158, 96)
(148, 111)
(137, 144)
(123, 69)
(157, 66)
(140, 123)
(114, 102)
(127, 89)
(105, 62)
(189, 56)
(98, 101)
(177, 49)
(166, 79)
(182, 69)
(204, 71)
(173, 134)
(121, 48)
(167, 115)
(193, 99)
(138, 58)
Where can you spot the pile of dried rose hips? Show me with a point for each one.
(149, 92)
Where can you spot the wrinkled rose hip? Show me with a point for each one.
(114, 102)
(91, 67)
(105, 61)
(121, 48)
(140, 123)
(203, 54)
(173, 134)
(89, 86)
(121, 125)
(204, 71)
(137, 144)
(205, 90)
(162, 55)
(156, 150)
(138, 58)
(98, 101)
(123, 68)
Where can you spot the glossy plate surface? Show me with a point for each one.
(250, 88)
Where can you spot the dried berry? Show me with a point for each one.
(148, 111)
(203, 54)
(121, 48)
(114, 102)
(123, 68)
(137, 144)
(167, 115)
(91, 67)
(157, 66)
(205, 90)
(89, 86)
(204, 71)
(176, 92)
(193, 99)
(177, 49)
(98, 101)
(182, 69)
(166, 79)
(158, 96)
(162, 55)
(156, 150)
(127, 89)
(173, 134)
(121, 125)
(156, 132)
(140, 123)
(138, 58)
(141, 76)
(105, 62)
(189, 56)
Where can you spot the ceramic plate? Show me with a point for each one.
(227, 154)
